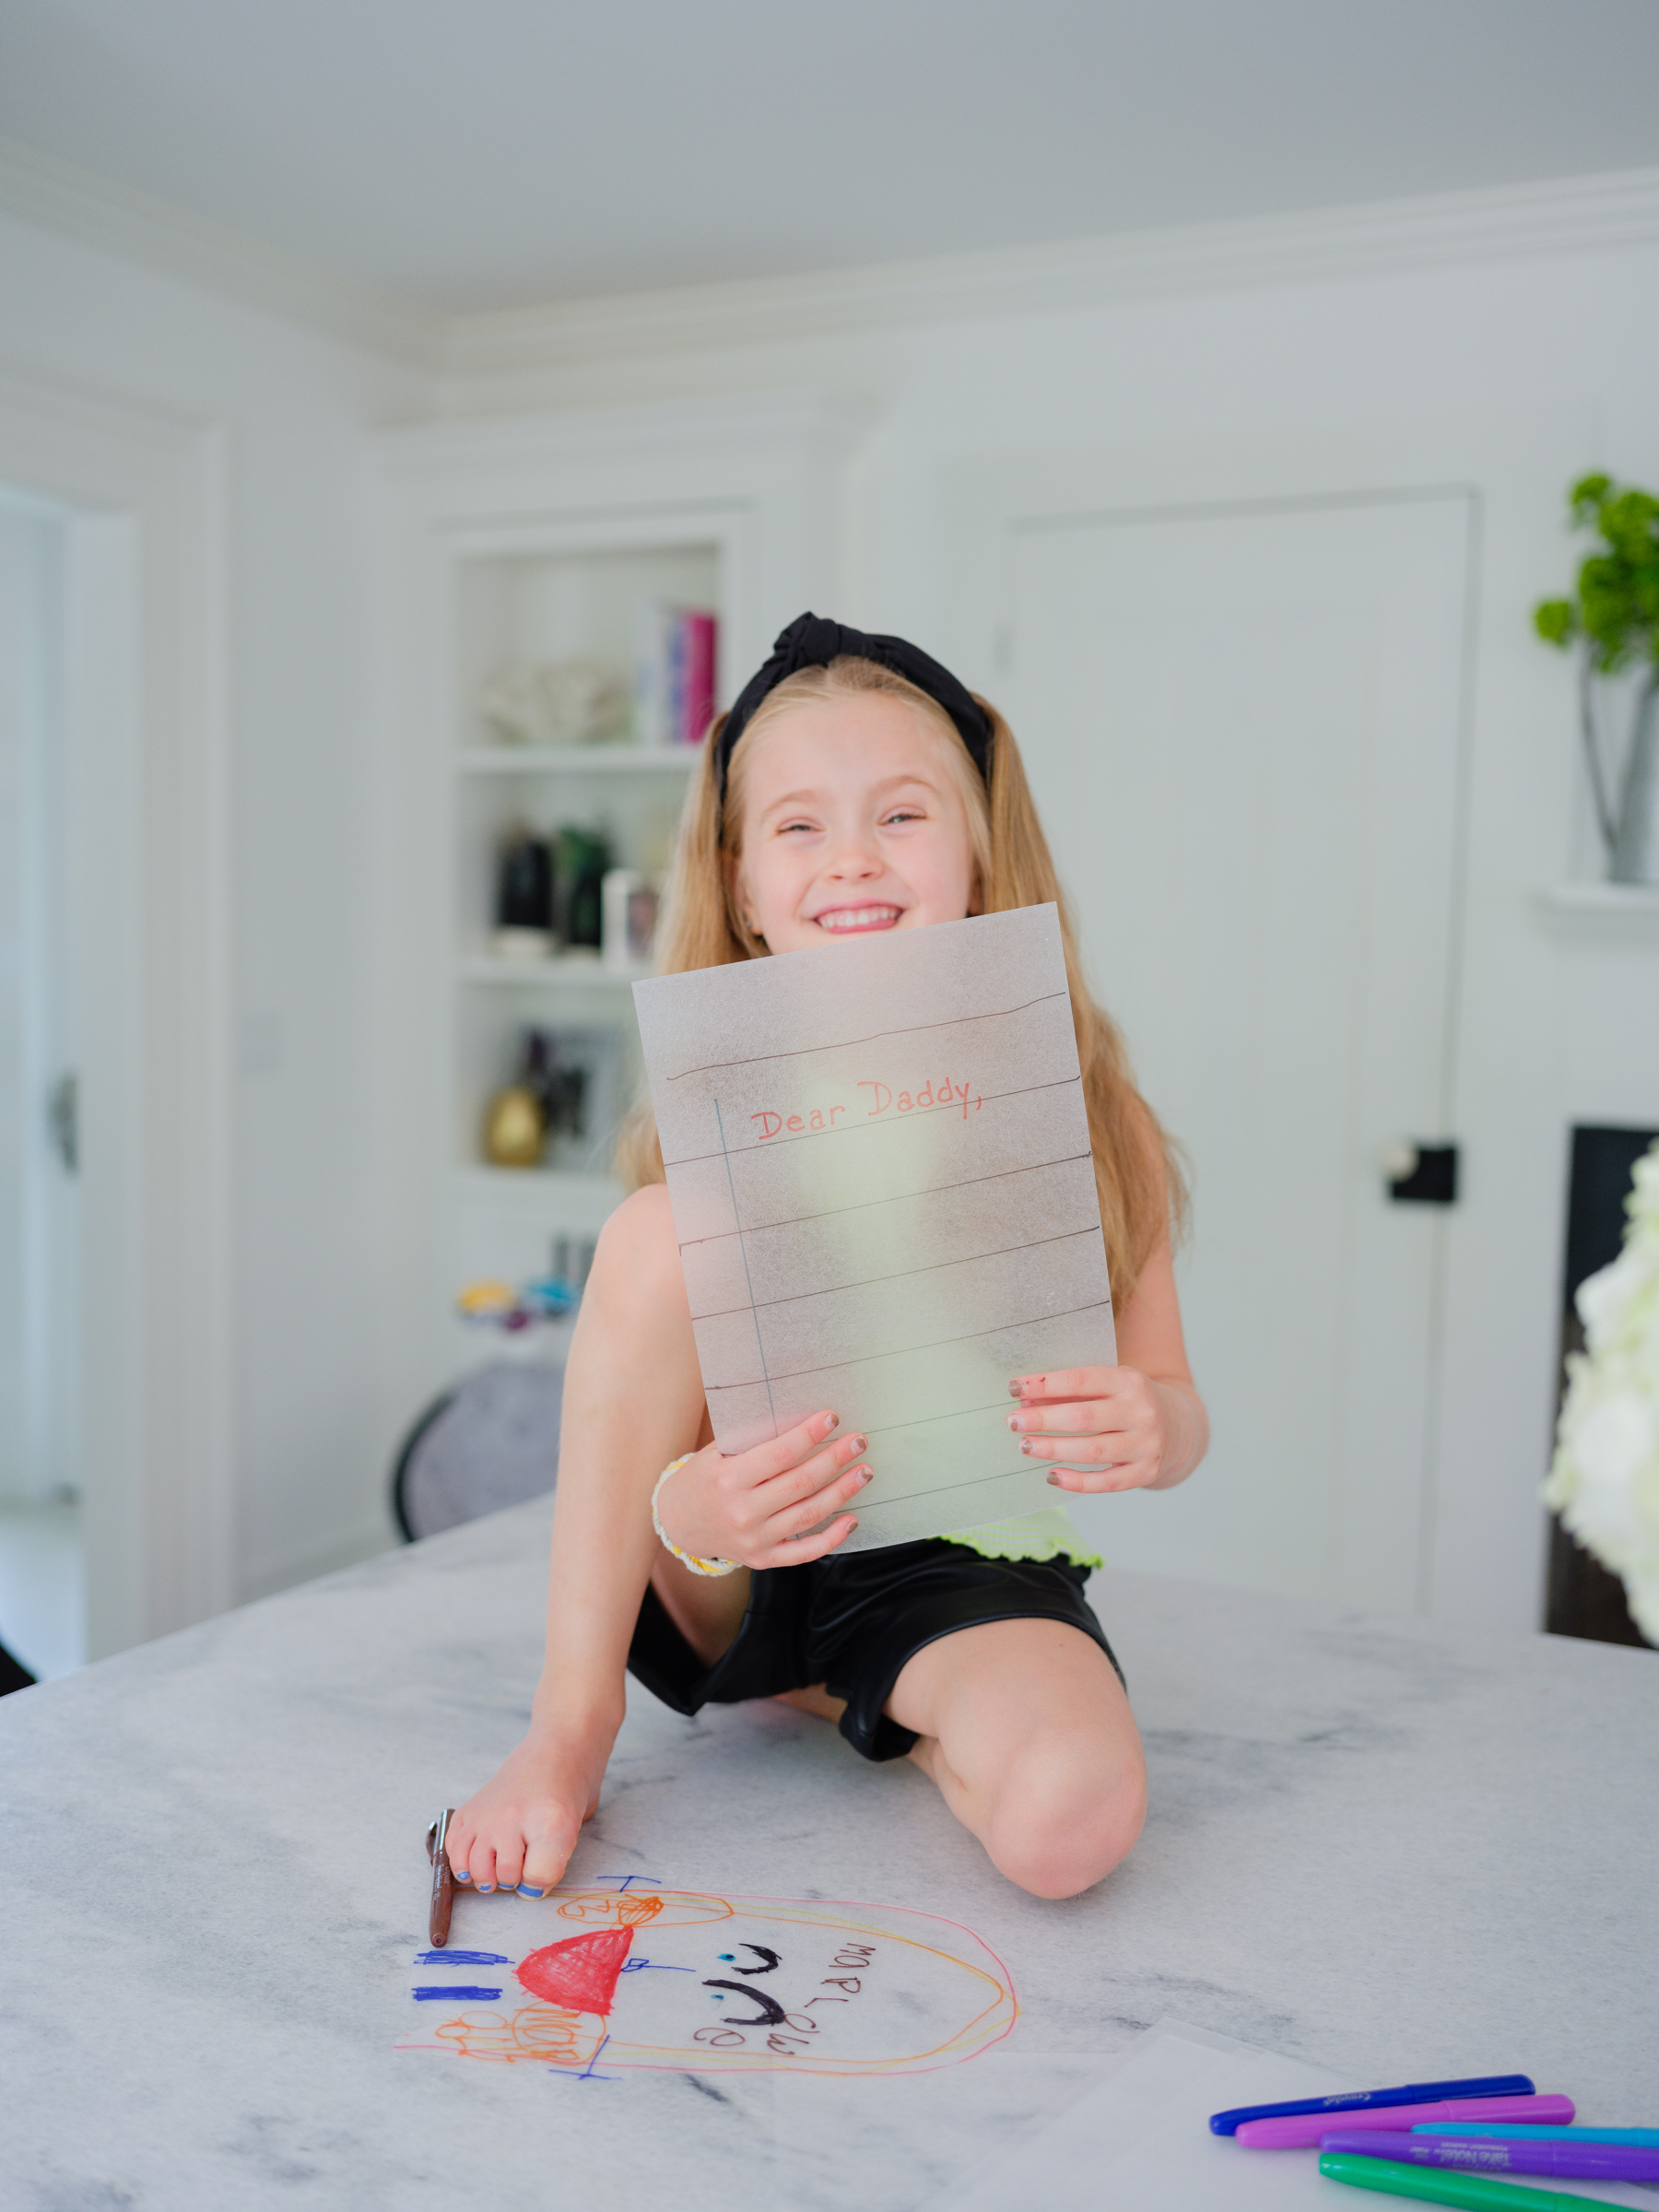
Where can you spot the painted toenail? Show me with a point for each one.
(485, 1888)
(461, 1874)
(524, 1891)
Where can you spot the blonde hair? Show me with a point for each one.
(1138, 1171)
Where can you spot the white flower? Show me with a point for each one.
(1605, 1480)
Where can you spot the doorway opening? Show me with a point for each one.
(43, 1587)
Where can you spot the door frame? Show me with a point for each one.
(143, 494)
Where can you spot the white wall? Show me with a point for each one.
(1555, 350)
(294, 408)
(1511, 372)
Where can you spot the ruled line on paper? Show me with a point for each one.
(877, 1505)
(932, 1190)
(759, 1346)
(911, 1351)
(917, 1114)
(965, 1259)
(912, 1028)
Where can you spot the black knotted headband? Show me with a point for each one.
(810, 642)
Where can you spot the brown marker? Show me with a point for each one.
(443, 1881)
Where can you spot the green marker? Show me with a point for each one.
(1473, 2192)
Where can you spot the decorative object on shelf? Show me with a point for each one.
(582, 858)
(1616, 616)
(628, 901)
(490, 1304)
(1605, 1480)
(524, 897)
(578, 701)
(573, 1073)
(513, 1133)
(673, 674)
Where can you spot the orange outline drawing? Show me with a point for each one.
(553, 2036)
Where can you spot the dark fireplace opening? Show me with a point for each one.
(1583, 1598)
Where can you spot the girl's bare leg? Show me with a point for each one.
(1024, 1727)
(633, 1400)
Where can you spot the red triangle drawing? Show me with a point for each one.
(581, 1972)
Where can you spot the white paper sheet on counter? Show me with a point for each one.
(879, 1166)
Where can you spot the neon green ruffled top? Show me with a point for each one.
(1045, 1535)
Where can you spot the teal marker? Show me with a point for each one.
(1436, 2185)
(1642, 2138)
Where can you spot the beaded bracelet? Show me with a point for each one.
(686, 1559)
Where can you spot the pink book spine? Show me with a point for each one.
(698, 697)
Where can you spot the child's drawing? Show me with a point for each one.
(629, 1975)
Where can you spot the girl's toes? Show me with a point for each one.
(481, 1865)
(509, 1862)
(544, 1864)
(457, 1844)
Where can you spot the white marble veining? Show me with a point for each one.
(1380, 1847)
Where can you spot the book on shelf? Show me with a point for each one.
(674, 675)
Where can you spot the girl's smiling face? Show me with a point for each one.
(852, 822)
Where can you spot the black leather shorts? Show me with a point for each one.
(850, 1621)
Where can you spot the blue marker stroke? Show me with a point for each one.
(462, 1958)
(587, 2073)
(447, 1990)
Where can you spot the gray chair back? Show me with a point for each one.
(492, 1441)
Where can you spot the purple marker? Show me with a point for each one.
(1487, 2154)
(1303, 2132)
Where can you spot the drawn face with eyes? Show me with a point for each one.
(680, 1981)
(853, 823)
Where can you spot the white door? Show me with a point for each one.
(1243, 726)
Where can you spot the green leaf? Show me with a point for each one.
(1587, 495)
(1555, 621)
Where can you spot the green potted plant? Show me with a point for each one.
(1615, 617)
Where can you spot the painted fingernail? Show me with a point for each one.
(524, 1891)
(865, 1475)
(1016, 1421)
(1016, 1386)
(859, 1443)
(1026, 1445)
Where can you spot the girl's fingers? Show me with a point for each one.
(800, 1549)
(779, 1454)
(795, 1519)
(1065, 1383)
(1083, 1417)
(812, 1475)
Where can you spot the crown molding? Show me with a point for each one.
(58, 196)
(1571, 215)
(1563, 216)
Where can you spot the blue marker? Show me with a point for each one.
(1411, 2092)
(1633, 2139)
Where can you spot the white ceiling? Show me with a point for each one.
(475, 154)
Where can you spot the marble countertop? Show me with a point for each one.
(1388, 1849)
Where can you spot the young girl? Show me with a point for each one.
(856, 786)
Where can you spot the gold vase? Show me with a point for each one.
(513, 1135)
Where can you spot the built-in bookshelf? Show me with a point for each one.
(515, 546)
(597, 609)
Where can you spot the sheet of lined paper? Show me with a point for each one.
(878, 1161)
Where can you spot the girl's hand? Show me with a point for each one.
(759, 1506)
(1105, 1428)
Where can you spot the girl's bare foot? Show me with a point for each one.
(519, 1830)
